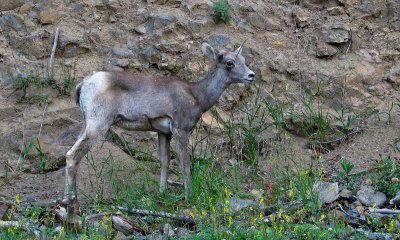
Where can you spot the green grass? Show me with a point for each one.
(32, 85)
(221, 10)
(225, 165)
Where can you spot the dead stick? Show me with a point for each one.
(157, 214)
(383, 211)
(41, 123)
(53, 51)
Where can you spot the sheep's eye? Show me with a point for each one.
(230, 64)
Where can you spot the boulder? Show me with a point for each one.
(335, 34)
(325, 50)
(369, 197)
(327, 191)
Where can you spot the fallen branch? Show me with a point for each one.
(157, 214)
(362, 221)
(383, 211)
(338, 140)
(53, 51)
(127, 227)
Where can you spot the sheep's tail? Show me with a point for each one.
(78, 92)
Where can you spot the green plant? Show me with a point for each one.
(31, 81)
(386, 170)
(221, 10)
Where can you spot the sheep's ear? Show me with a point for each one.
(209, 51)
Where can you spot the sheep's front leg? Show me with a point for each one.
(182, 148)
(165, 156)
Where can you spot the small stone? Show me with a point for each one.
(48, 16)
(396, 199)
(158, 21)
(263, 23)
(120, 62)
(336, 34)
(256, 193)
(325, 50)
(112, 68)
(360, 210)
(218, 41)
(335, 11)
(345, 193)
(122, 52)
(181, 232)
(368, 182)
(237, 204)
(369, 197)
(141, 29)
(302, 17)
(168, 230)
(327, 191)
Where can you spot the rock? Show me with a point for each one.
(263, 23)
(36, 43)
(302, 17)
(151, 55)
(369, 55)
(366, 71)
(112, 68)
(325, 50)
(327, 192)
(7, 5)
(369, 197)
(237, 204)
(172, 46)
(142, 15)
(48, 16)
(395, 180)
(181, 232)
(141, 29)
(345, 193)
(210, 121)
(218, 41)
(335, 11)
(393, 77)
(168, 230)
(158, 21)
(197, 7)
(396, 199)
(122, 52)
(120, 62)
(13, 21)
(335, 34)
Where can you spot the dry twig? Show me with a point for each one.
(157, 214)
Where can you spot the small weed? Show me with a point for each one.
(382, 180)
(31, 82)
(221, 10)
(345, 175)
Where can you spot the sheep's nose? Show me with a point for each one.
(252, 75)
